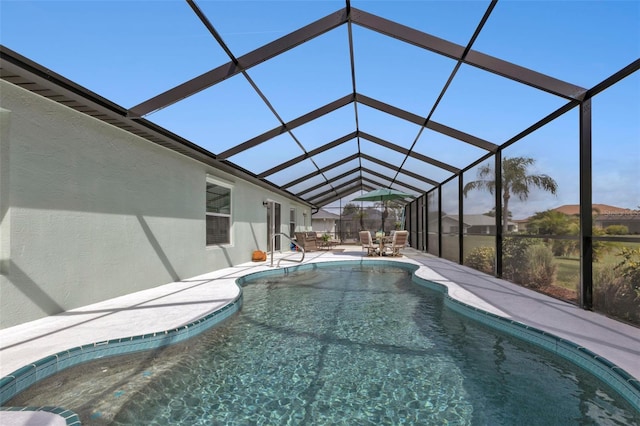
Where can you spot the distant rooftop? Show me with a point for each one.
(574, 209)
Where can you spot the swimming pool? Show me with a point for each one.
(338, 345)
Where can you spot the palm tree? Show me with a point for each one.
(515, 181)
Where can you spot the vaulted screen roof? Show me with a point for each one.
(346, 101)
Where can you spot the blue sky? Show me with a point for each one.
(130, 51)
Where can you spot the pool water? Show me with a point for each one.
(338, 346)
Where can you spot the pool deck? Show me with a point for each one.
(176, 304)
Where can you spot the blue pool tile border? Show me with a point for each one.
(621, 381)
(24, 377)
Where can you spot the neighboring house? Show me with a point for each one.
(451, 225)
(324, 222)
(521, 224)
(474, 224)
(604, 216)
(574, 209)
(631, 220)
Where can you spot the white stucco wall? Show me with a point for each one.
(91, 212)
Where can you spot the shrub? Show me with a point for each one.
(540, 269)
(605, 283)
(564, 247)
(481, 258)
(600, 248)
(514, 258)
(616, 291)
(617, 230)
(630, 269)
(529, 262)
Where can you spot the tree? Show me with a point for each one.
(389, 209)
(552, 222)
(354, 211)
(383, 206)
(349, 209)
(492, 213)
(515, 182)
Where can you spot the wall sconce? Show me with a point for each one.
(266, 202)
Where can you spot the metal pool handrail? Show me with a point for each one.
(273, 240)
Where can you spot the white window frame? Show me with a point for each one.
(293, 222)
(229, 186)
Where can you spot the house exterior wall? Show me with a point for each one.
(322, 226)
(631, 221)
(481, 230)
(90, 211)
(450, 226)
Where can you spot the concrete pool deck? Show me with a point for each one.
(176, 304)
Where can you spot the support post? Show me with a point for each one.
(460, 220)
(498, 179)
(586, 220)
(439, 220)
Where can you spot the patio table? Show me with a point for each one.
(382, 241)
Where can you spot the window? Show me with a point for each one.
(292, 222)
(218, 215)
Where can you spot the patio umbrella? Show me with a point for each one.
(383, 195)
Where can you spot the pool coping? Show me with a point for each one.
(456, 298)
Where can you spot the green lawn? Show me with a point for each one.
(450, 244)
(568, 275)
(610, 255)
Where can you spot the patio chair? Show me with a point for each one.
(307, 240)
(398, 242)
(367, 243)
